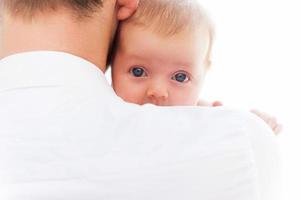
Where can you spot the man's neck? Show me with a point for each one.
(58, 31)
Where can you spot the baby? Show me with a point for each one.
(162, 54)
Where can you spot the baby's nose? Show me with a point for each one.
(157, 95)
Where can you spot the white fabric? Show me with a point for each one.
(65, 135)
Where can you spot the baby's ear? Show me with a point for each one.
(126, 8)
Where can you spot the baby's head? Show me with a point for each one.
(162, 53)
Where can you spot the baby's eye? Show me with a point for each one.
(138, 72)
(180, 77)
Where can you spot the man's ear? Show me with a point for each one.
(126, 8)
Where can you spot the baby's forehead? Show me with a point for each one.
(173, 18)
(133, 36)
(184, 49)
(164, 31)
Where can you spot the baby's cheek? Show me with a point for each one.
(131, 93)
(184, 98)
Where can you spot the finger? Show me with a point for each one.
(217, 103)
(278, 129)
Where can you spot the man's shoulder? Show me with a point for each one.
(232, 114)
(225, 115)
(191, 120)
(191, 113)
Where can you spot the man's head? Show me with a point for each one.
(29, 8)
(81, 8)
(81, 27)
(163, 53)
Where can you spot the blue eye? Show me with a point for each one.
(180, 77)
(138, 72)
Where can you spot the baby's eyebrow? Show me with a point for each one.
(136, 56)
(184, 64)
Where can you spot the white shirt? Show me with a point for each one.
(65, 135)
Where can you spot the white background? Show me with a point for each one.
(257, 64)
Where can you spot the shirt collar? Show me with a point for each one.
(48, 68)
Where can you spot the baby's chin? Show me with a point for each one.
(159, 102)
(192, 103)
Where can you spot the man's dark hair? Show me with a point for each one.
(28, 8)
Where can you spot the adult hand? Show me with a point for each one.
(126, 8)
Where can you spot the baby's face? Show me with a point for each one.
(165, 71)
